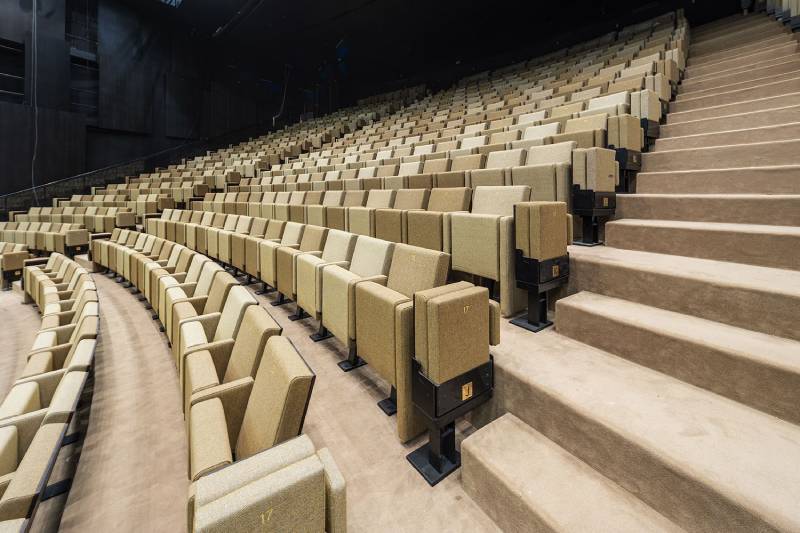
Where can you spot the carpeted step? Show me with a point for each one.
(743, 70)
(701, 460)
(750, 60)
(778, 132)
(743, 180)
(749, 244)
(736, 85)
(526, 482)
(776, 210)
(732, 156)
(785, 65)
(762, 90)
(752, 368)
(768, 37)
(753, 119)
(753, 297)
(726, 40)
(759, 104)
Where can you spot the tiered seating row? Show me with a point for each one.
(245, 388)
(42, 405)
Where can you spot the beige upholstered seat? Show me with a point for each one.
(482, 241)
(384, 320)
(267, 252)
(308, 487)
(237, 420)
(371, 260)
(231, 359)
(312, 242)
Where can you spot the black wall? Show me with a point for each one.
(159, 86)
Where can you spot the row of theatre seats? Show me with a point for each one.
(94, 219)
(474, 227)
(41, 411)
(245, 391)
(359, 287)
(63, 238)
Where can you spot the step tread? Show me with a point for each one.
(722, 227)
(718, 273)
(777, 352)
(731, 87)
(565, 493)
(711, 134)
(717, 196)
(735, 115)
(771, 82)
(748, 145)
(766, 167)
(751, 458)
(690, 112)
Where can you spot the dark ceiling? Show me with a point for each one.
(368, 44)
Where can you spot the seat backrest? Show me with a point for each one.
(221, 284)
(587, 123)
(237, 302)
(278, 402)
(208, 271)
(371, 257)
(230, 222)
(256, 328)
(499, 200)
(468, 162)
(410, 168)
(313, 238)
(195, 267)
(339, 246)
(333, 198)
(380, 198)
(540, 132)
(292, 233)
(411, 199)
(414, 269)
(505, 158)
(432, 166)
(551, 154)
(354, 198)
(445, 200)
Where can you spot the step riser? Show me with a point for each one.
(735, 181)
(769, 250)
(733, 97)
(751, 155)
(774, 391)
(745, 136)
(750, 60)
(771, 313)
(695, 60)
(777, 211)
(762, 104)
(709, 84)
(737, 85)
(676, 495)
(755, 119)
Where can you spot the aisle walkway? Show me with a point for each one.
(132, 471)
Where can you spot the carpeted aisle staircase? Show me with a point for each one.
(669, 396)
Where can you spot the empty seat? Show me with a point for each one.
(384, 320)
(338, 250)
(431, 228)
(225, 427)
(313, 241)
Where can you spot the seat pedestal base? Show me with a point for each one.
(538, 278)
(352, 362)
(389, 405)
(432, 467)
(321, 335)
(282, 300)
(300, 314)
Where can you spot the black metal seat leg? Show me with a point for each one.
(353, 361)
(321, 334)
(300, 314)
(536, 318)
(389, 405)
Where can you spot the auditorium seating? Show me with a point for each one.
(12, 257)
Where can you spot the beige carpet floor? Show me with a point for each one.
(132, 470)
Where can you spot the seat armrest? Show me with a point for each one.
(209, 323)
(234, 396)
(100, 236)
(48, 383)
(220, 353)
(36, 261)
